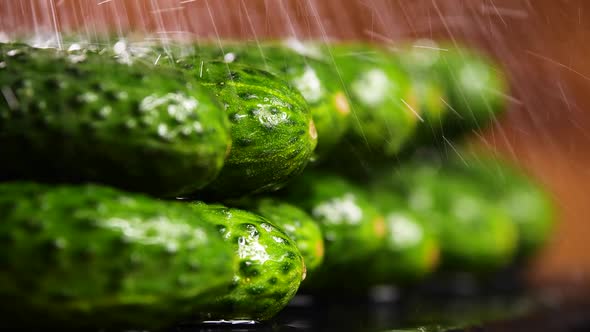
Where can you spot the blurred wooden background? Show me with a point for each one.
(544, 44)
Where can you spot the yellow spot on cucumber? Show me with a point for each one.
(433, 255)
(341, 102)
(379, 226)
(313, 133)
(304, 274)
(319, 248)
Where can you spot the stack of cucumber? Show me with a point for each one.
(142, 185)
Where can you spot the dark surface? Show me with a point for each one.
(432, 308)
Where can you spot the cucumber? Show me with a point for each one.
(92, 256)
(384, 103)
(411, 250)
(474, 88)
(268, 272)
(417, 60)
(530, 207)
(475, 235)
(298, 225)
(353, 229)
(475, 85)
(273, 134)
(83, 116)
(313, 78)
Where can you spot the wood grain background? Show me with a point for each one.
(544, 44)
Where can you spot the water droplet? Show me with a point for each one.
(171, 247)
(131, 123)
(309, 85)
(88, 97)
(120, 47)
(105, 111)
(13, 52)
(266, 227)
(74, 47)
(77, 58)
(123, 95)
(229, 57)
(163, 130)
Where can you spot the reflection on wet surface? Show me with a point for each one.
(434, 307)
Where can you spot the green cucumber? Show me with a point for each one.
(314, 79)
(475, 235)
(384, 104)
(530, 207)
(97, 257)
(298, 225)
(353, 229)
(417, 60)
(411, 250)
(268, 271)
(83, 116)
(273, 134)
(474, 88)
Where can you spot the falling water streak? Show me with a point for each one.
(559, 64)
(55, 25)
(412, 109)
(485, 9)
(314, 12)
(499, 130)
(285, 13)
(504, 12)
(254, 33)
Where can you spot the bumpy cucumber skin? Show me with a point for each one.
(98, 257)
(474, 234)
(315, 79)
(411, 250)
(268, 271)
(273, 134)
(298, 225)
(347, 220)
(86, 117)
(527, 203)
(384, 105)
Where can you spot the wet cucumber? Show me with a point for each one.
(472, 86)
(268, 271)
(530, 207)
(98, 257)
(347, 220)
(83, 116)
(416, 60)
(273, 134)
(315, 79)
(410, 251)
(383, 101)
(298, 225)
(474, 234)
(476, 88)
